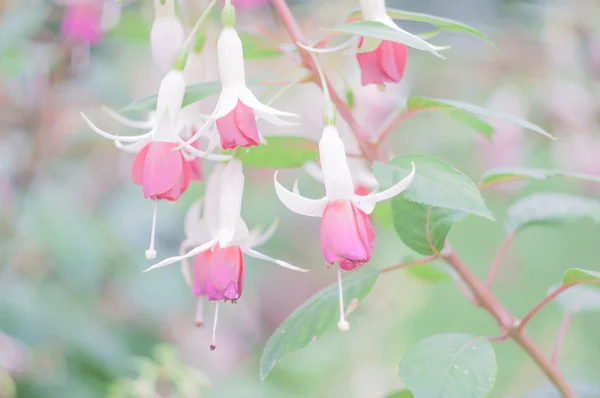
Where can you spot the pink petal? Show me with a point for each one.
(201, 272)
(82, 23)
(226, 275)
(361, 190)
(137, 170)
(347, 235)
(370, 67)
(163, 169)
(181, 186)
(392, 57)
(196, 164)
(238, 127)
(248, 3)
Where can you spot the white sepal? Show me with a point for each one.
(231, 194)
(257, 238)
(264, 111)
(367, 203)
(228, 99)
(193, 224)
(336, 173)
(299, 204)
(132, 148)
(373, 10)
(212, 195)
(122, 138)
(166, 38)
(197, 250)
(252, 253)
(170, 96)
(136, 124)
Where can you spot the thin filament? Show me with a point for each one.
(214, 333)
(151, 253)
(342, 325)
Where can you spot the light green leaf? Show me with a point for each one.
(380, 31)
(573, 275)
(436, 183)
(259, 47)
(550, 208)
(281, 153)
(580, 298)
(505, 174)
(433, 272)
(442, 23)
(193, 93)
(314, 318)
(423, 228)
(401, 394)
(450, 365)
(419, 104)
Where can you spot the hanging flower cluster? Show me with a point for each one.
(168, 154)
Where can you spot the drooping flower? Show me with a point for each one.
(82, 23)
(347, 236)
(167, 35)
(234, 118)
(218, 260)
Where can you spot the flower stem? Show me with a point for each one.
(498, 259)
(560, 337)
(198, 25)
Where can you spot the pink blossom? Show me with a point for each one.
(195, 164)
(249, 3)
(238, 127)
(347, 235)
(82, 22)
(219, 273)
(385, 64)
(162, 172)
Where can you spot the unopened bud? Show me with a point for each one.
(228, 16)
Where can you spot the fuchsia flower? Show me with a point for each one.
(82, 22)
(249, 3)
(219, 239)
(347, 236)
(234, 118)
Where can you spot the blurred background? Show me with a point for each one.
(79, 319)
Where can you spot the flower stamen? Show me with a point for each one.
(343, 324)
(151, 253)
(213, 346)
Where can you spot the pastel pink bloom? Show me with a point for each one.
(197, 173)
(219, 273)
(361, 190)
(82, 22)
(162, 172)
(238, 127)
(385, 64)
(347, 235)
(249, 3)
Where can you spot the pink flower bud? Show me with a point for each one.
(347, 235)
(162, 172)
(385, 64)
(219, 273)
(82, 22)
(238, 127)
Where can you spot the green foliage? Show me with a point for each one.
(380, 31)
(193, 93)
(316, 317)
(450, 365)
(550, 208)
(505, 174)
(259, 47)
(436, 183)
(573, 275)
(401, 394)
(467, 113)
(281, 152)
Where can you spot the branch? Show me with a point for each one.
(370, 151)
(560, 337)
(498, 260)
(407, 264)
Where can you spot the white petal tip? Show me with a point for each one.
(150, 255)
(343, 326)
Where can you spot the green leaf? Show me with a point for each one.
(281, 153)
(450, 365)
(466, 112)
(314, 318)
(423, 228)
(574, 275)
(259, 47)
(380, 31)
(401, 394)
(433, 272)
(504, 174)
(442, 23)
(193, 93)
(550, 208)
(436, 183)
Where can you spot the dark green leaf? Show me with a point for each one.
(259, 47)
(550, 208)
(418, 104)
(504, 174)
(314, 318)
(281, 153)
(423, 228)
(193, 93)
(450, 365)
(436, 184)
(380, 31)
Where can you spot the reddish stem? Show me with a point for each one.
(498, 259)
(543, 303)
(560, 337)
(407, 264)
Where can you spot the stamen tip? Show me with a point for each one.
(213, 347)
(343, 325)
(199, 324)
(150, 255)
